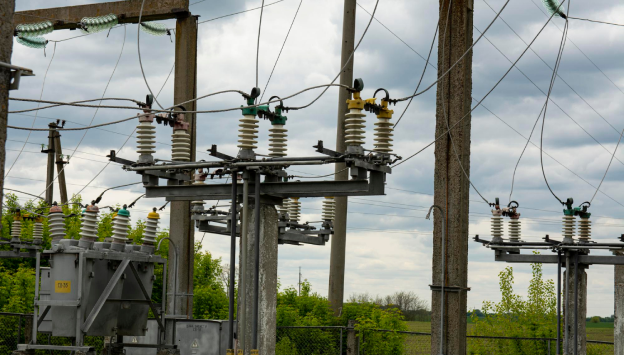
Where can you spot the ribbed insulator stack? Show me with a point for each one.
(284, 208)
(151, 228)
(248, 132)
(329, 209)
(88, 229)
(181, 142)
(38, 232)
(278, 141)
(584, 230)
(514, 230)
(384, 131)
(354, 127)
(56, 223)
(121, 223)
(496, 224)
(569, 224)
(16, 230)
(294, 210)
(199, 178)
(146, 136)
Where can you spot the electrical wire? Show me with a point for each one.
(115, 187)
(608, 166)
(552, 84)
(34, 119)
(258, 45)
(596, 21)
(319, 176)
(140, 61)
(240, 12)
(281, 49)
(25, 193)
(63, 103)
(77, 128)
(480, 101)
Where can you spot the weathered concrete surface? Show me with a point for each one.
(7, 7)
(182, 230)
(618, 326)
(267, 281)
(339, 238)
(568, 286)
(451, 187)
(127, 12)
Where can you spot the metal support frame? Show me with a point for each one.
(16, 74)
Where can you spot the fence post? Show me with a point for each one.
(340, 351)
(548, 346)
(19, 328)
(352, 347)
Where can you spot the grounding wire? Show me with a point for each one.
(347, 61)
(606, 171)
(258, 44)
(34, 119)
(281, 49)
(552, 84)
(123, 44)
(482, 99)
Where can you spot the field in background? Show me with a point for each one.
(595, 331)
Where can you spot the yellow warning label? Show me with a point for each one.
(62, 286)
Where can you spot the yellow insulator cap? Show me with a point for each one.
(153, 215)
(17, 217)
(357, 102)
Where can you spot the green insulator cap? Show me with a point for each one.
(250, 110)
(278, 119)
(123, 212)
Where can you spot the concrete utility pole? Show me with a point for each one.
(339, 238)
(451, 188)
(618, 326)
(182, 231)
(575, 291)
(7, 7)
(60, 163)
(50, 168)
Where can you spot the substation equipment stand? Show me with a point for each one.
(186, 180)
(571, 253)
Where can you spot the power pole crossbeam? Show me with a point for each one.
(451, 187)
(69, 17)
(339, 239)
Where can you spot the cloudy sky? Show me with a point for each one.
(389, 242)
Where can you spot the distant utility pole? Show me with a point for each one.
(49, 197)
(451, 188)
(618, 326)
(7, 7)
(339, 238)
(299, 280)
(60, 164)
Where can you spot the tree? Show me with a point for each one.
(513, 316)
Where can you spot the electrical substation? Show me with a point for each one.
(87, 286)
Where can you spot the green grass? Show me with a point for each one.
(595, 331)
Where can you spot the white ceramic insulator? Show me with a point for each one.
(146, 138)
(354, 127)
(38, 231)
(16, 229)
(514, 230)
(294, 210)
(181, 142)
(569, 224)
(88, 229)
(277, 141)
(497, 226)
(329, 209)
(151, 228)
(284, 208)
(57, 226)
(198, 202)
(248, 132)
(384, 131)
(120, 229)
(584, 229)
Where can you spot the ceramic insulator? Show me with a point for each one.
(384, 131)
(57, 226)
(181, 142)
(146, 138)
(294, 210)
(151, 228)
(88, 229)
(514, 230)
(497, 226)
(38, 232)
(16, 230)
(569, 224)
(120, 229)
(584, 229)
(278, 141)
(248, 132)
(198, 182)
(283, 209)
(354, 127)
(329, 208)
